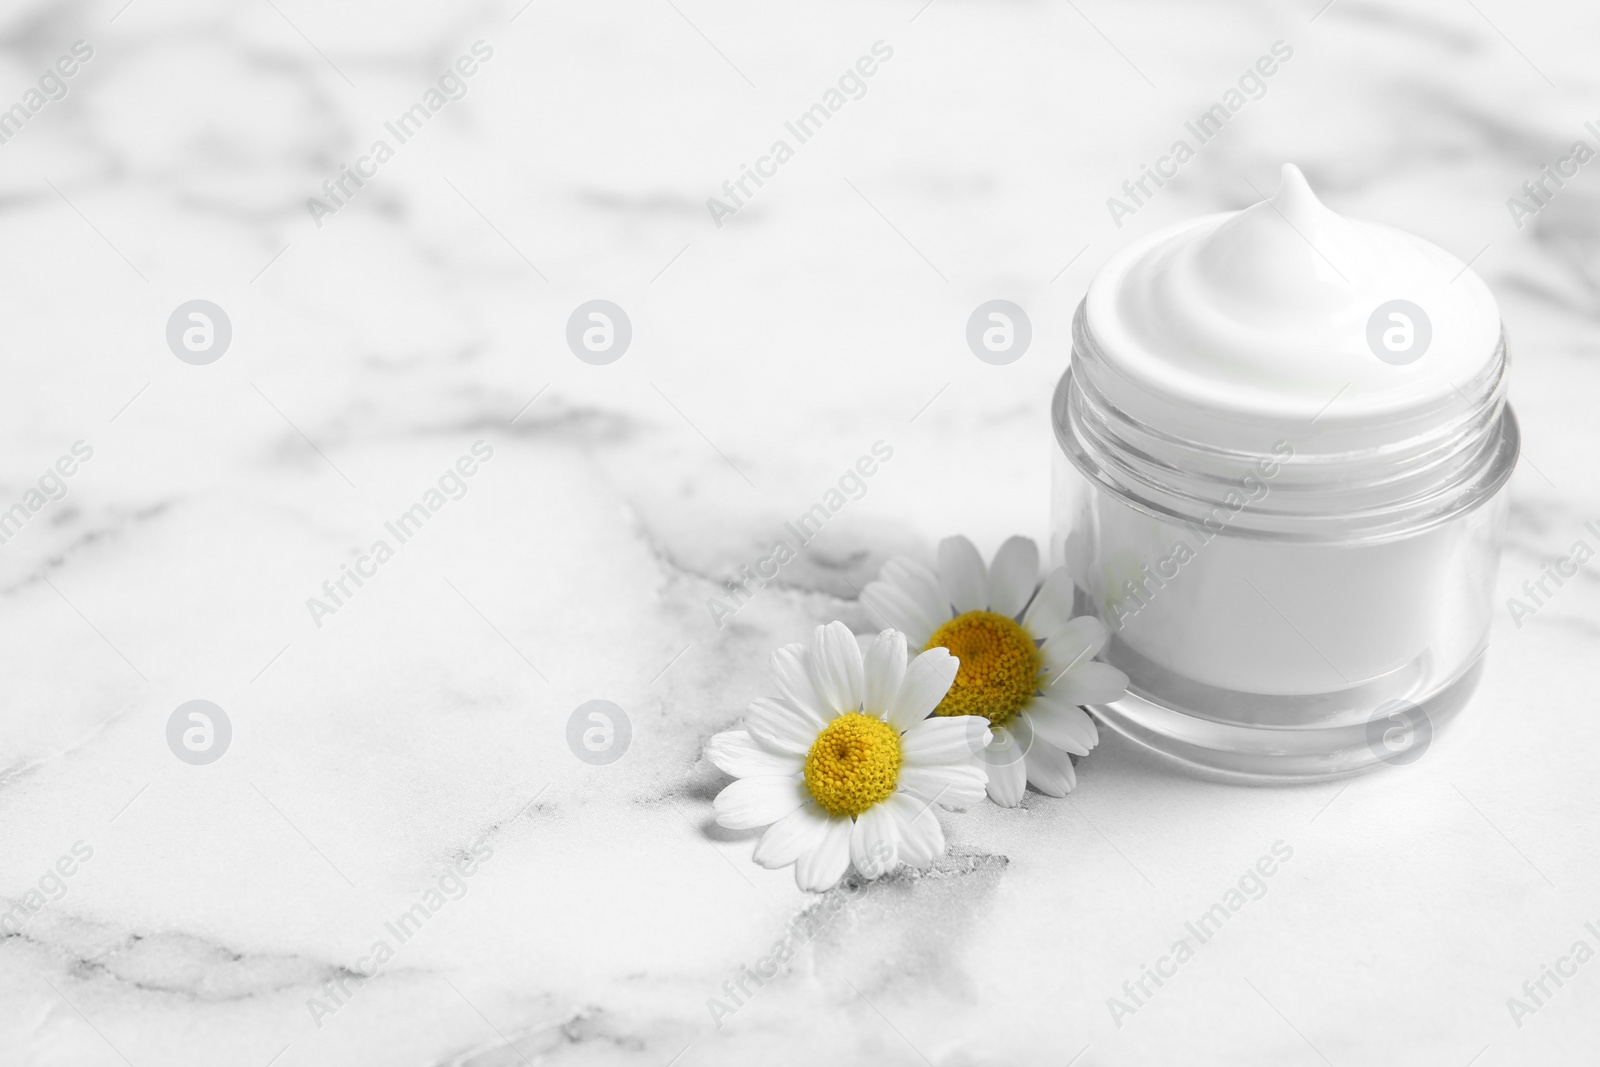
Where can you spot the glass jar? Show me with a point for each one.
(1287, 609)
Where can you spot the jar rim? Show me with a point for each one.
(1316, 489)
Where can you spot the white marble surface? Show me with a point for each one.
(371, 752)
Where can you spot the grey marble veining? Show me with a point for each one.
(428, 714)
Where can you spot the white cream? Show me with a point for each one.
(1288, 533)
(1260, 316)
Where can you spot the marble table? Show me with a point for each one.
(405, 743)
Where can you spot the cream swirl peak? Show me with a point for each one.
(1244, 326)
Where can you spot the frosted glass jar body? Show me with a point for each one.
(1316, 650)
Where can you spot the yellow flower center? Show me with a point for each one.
(853, 764)
(999, 670)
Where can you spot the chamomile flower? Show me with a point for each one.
(844, 764)
(1026, 663)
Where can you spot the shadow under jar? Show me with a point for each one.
(1295, 594)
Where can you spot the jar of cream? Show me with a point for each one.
(1283, 445)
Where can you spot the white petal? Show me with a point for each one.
(742, 756)
(1088, 683)
(822, 865)
(944, 739)
(962, 575)
(909, 574)
(752, 802)
(885, 670)
(927, 680)
(781, 726)
(1012, 576)
(921, 836)
(1076, 641)
(1062, 725)
(791, 673)
(891, 606)
(1050, 769)
(836, 669)
(922, 586)
(875, 842)
(792, 836)
(1004, 760)
(953, 785)
(1052, 605)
